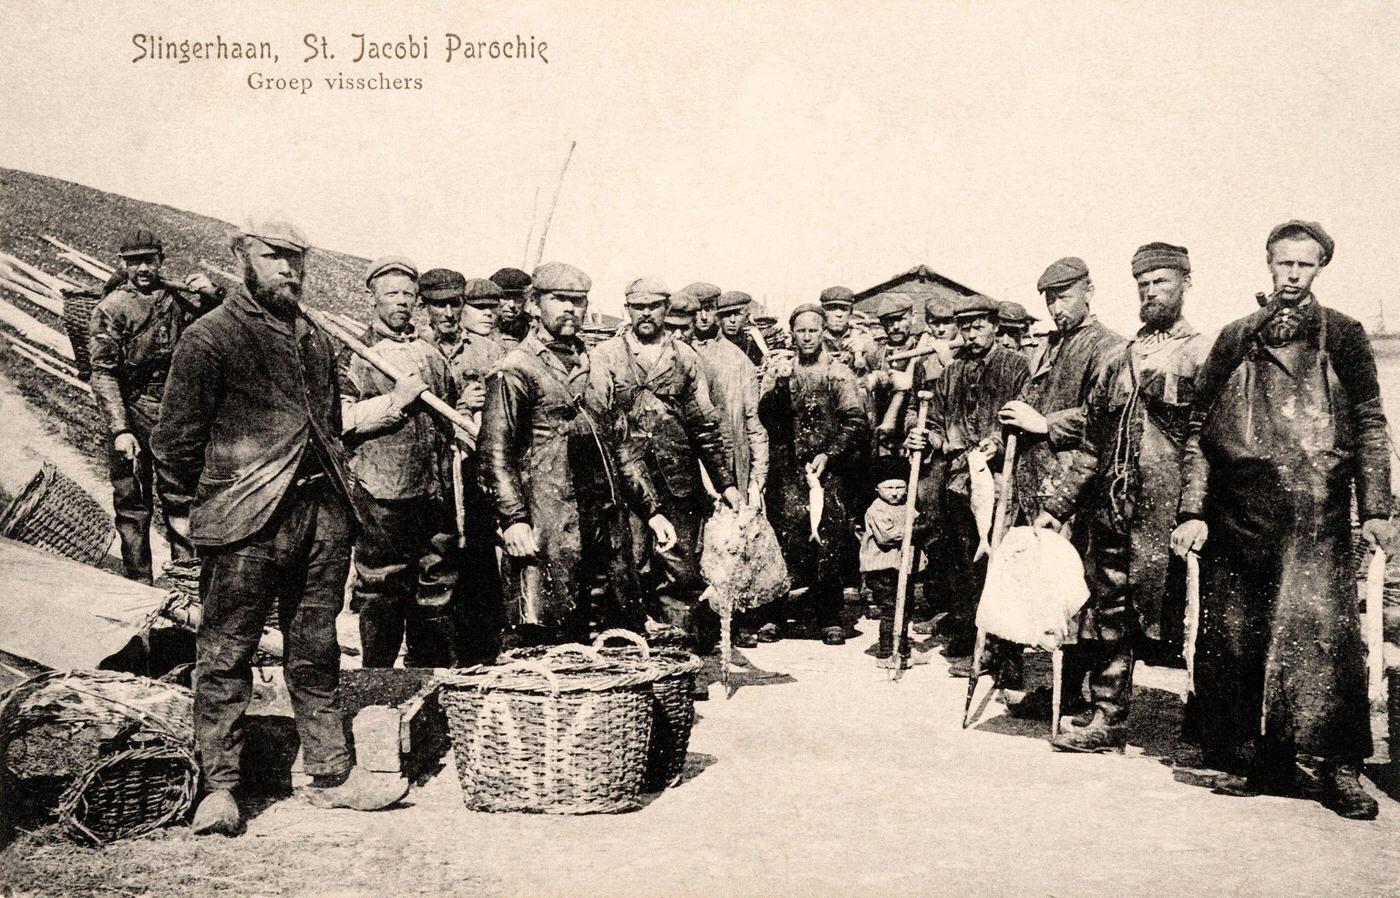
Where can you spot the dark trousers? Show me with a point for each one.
(404, 579)
(884, 588)
(962, 577)
(299, 560)
(1109, 627)
(674, 575)
(133, 501)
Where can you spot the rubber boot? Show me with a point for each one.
(218, 812)
(1342, 793)
(361, 791)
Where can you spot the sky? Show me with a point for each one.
(776, 148)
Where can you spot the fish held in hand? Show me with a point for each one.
(983, 492)
(816, 499)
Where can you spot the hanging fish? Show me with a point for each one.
(816, 499)
(983, 491)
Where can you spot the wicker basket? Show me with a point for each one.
(107, 755)
(77, 312)
(53, 513)
(673, 703)
(567, 740)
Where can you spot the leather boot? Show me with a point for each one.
(1342, 793)
(362, 790)
(218, 813)
(1099, 737)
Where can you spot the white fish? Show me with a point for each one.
(983, 490)
(815, 500)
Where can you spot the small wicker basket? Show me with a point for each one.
(77, 312)
(551, 739)
(53, 513)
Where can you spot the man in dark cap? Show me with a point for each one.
(1125, 482)
(847, 345)
(399, 453)
(1286, 429)
(512, 318)
(813, 410)
(679, 319)
(1013, 323)
(250, 432)
(887, 383)
(659, 383)
(965, 439)
(733, 308)
(733, 383)
(462, 325)
(563, 473)
(133, 332)
(1050, 412)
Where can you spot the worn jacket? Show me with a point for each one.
(669, 412)
(733, 382)
(132, 337)
(855, 349)
(471, 357)
(1063, 374)
(394, 454)
(966, 397)
(248, 396)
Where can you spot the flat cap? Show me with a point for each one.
(437, 284)
(975, 306)
(387, 264)
(1151, 256)
(704, 294)
(1296, 227)
(482, 292)
(647, 290)
(559, 277)
(732, 299)
(140, 241)
(938, 308)
(1062, 273)
(837, 296)
(763, 321)
(1013, 313)
(803, 309)
(894, 305)
(511, 280)
(682, 309)
(276, 232)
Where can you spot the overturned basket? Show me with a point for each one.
(53, 513)
(541, 736)
(107, 755)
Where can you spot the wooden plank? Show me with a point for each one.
(35, 331)
(51, 282)
(49, 369)
(43, 300)
(80, 254)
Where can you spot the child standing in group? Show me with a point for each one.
(880, 544)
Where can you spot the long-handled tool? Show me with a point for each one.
(458, 497)
(898, 661)
(1375, 626)
(1192, 626)
(998, 531)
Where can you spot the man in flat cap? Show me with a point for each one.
(679, 320)
(733, 308)
(399, 452)
(132, 335)
(462, 325)
(963, 434)
(250, 432)
(1013, 324)
(886, 381)
(563, 474)
(1286, 430)
(847, 345)
(813, 410)
(512, 319)
(1125, 483)
(659, 384)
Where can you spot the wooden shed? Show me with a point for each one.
(918, 283)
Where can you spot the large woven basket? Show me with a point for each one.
(53, 513)
(107, 755)
(672, 693)
(549, 739)
(77, 312)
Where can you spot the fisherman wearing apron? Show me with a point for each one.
(1288, 422)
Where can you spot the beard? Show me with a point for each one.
(1159, 316)
(282, 300)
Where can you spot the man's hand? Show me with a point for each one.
(126, 444)
(918, 439)
(902, 381)
(817, 465)
(1046, 521)
(520, 541)
(731, 495)
(473, 398)
(407, 389)
(1189, 536)
(755, 496)
(1380, 533)
(783, 362)
(200, 283)
(664, 533)
(1018, 414)
(988, 447)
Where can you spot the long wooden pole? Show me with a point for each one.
(544, 230)
(1008, 466)
(1375, 626)
(896, 661)
(530, 234)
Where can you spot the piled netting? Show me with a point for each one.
(107, 755)
(54, 513)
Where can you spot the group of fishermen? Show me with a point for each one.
(576, 499)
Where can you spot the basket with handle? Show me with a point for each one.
(673, 698)
(550, 736)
